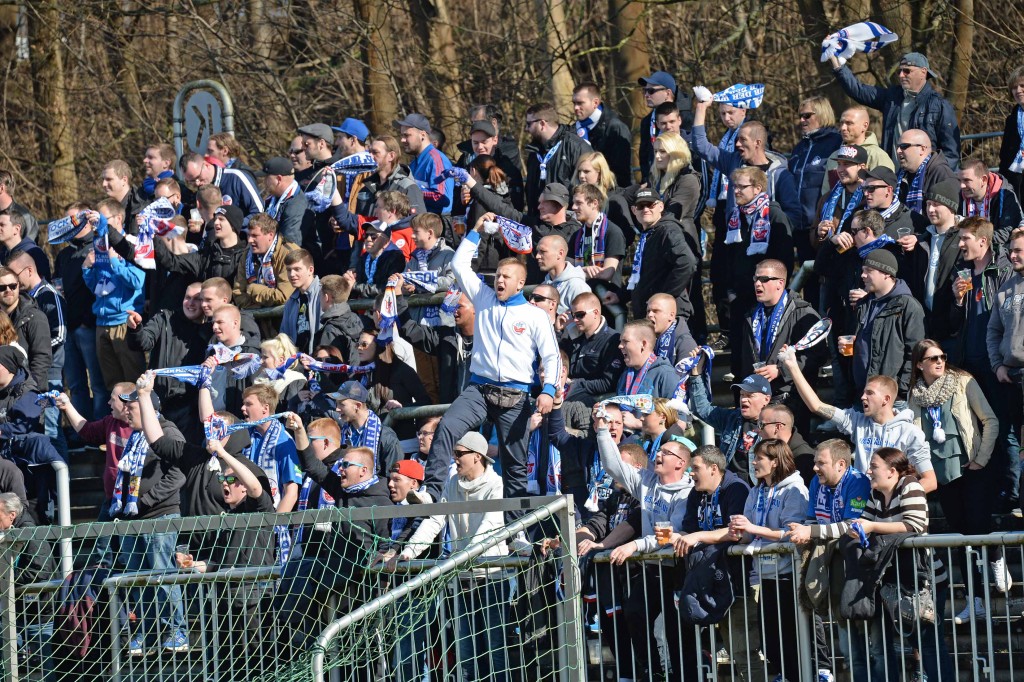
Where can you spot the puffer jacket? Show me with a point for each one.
(808, 163)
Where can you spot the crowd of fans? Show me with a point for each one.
(140, 343)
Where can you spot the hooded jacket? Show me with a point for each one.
(867, 435)
(667, 266)
(661, 380)
(340, 327)
(126, 294)
(876, 157)
(658, 501)
(808, 163)
(19, 413)
(290, 317)
(1005, 335)
(561, 167)
(570, 283)
(776, 507)
(931, 113)
(888, 329)
(1004, 211)
(33, 329)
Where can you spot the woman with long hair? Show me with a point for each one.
(487, 191)
(593, 168)
(778, 499)
(287, 382)
(391, 383)
(654, 425)
(676, 182)
(961, 429)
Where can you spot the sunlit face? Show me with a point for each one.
(154, 163)
(828, 470)
(875, 400)
(614, 422)
(300, 275)
(547, 255)
(648, 213)
(861, 235)
(911, 151)
(874, 280)
(660, 314)
(744, 190)
(653, 423)
(937, 213)
(425, 436)
(751, 404)
(380, 154)
(764, 466)
(973, 185)
(661, 157)
(747, 145)
(587, 318)
(853, 126)
(133, 414)
(260, 241)
(912, 78)
(321, 443)
(1015, 253)
(586, 211)
(400, 485)
(8, 231)
(848, 172)
(210, 300)
(807, 120)
(10, 290)
(669, 123)
(199, 174)
(234, 492)
(221, 226)
(349, 409)
(114, 186)
(882, 476)
(271, 360)
(584, 104)
(588, 174)
(116, 406)
(549, 211)
(214, 149)
(464, 312)
(704, 478)
(413, 140)
(769, 292)
(191, 305)
(1017, 92)
(424, 237)
(670, 459)
(971, 246)
(775, 424)
(350, 475)
(877, 194)
(253, 409)
(172, 195)
(656, 94)
(366, 348)
(731, 116)
(635, 347)
(932, 364)
(509, 280)
(225, 326)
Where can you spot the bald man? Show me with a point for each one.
(568, 279)
(920, 169)
(855, 129)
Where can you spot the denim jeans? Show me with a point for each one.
(154, 551)
(480, 613)
(82, 370)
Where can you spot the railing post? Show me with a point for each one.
(805, 644)
(9, 658)
(571, 652)
(67, 559)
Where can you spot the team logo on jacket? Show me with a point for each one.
(519, 327)
(225, 200)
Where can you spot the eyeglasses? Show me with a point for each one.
(868, 189)
(664, 451)
(935, 358)
(423, 433)
(460, 453)
(736, 186)
(537, 298)
(804, 115)
(530, 123)
(363, 345)
(904, 146)
(904, 70)
(8, 287)
(230, 479)
(651, 91)
(764, 279)
(761, 424)
(857, 230)
(345, 464)
(580, 314)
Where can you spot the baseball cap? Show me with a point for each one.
(662, 78)
(645, 196)
(376, 227)
(557, 192)
(410, 468)
(414, 120)
(133, 397)
(354, 128)
(351, 390)
(852, 153)
(919, 60)
(276, 165)
(755, 383)
(880, 173)
(475, 441)
(483, 127)
(881, 260)
(320, 130)
(233, 214)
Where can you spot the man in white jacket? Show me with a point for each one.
(481, 600)
(509, 334)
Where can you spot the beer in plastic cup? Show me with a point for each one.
(184, 556)
(663, 532)
(967, 276)
(846, 345)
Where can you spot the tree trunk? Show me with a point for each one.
(438, 43)
(380, 99)
(551, 14)
(630, 62)
(53, 121)
(963, 55)
(816, 27)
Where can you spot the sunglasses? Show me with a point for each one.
(8, 287)
(935, 358)
(651, 91)
(363, 345)
(764, 279)
(318, 438)
(537, 298)
(460, 453)
(580, 314)
(868, 189)
(294, 152)
(904, 146)
(806, 115)
(345, 464)
(230, 479)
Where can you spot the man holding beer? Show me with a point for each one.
(662, 494)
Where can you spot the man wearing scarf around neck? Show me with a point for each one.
(645, 371)
(149, 487)
(552, 153)
(362, 427)
(599, 245)
(287, 204)
(920, 169)
(604, 130)
(990, 196)
(674, 340)
(379, 260)
(262, 278)
(936, 259)
(913, 103)
(779, 318)
(838, 203)
(225, 325)
(332, 561)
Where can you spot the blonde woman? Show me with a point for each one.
(673, 178)
(286, 382)
(593, 168)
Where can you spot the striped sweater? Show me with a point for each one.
(908, 505)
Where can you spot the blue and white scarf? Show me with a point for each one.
(830, 511)
(720, 183)
(741, 95)
(338, 367)
(275, 203)
(874, 244)
(590, 245)
(388, 312)
(638, 260)
(915, 193)
(634, 378)
(278, 372)
(554, 472)
(583, 127)
(828, 209)
(709, 515)
(773, 323)
(265, 275)
(322, 194)
(48, 399)
(758, 212)
(664, 346)
(196, 375)
(1017, 166)
(517, 236)
(133, 459)
(367, 437)
(546, 158)
(424, 279)
(640, 402)
(263, 451)
(866, 37)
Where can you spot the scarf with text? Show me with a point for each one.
(554, 472)
(720, 183)
(635, 377)
(741, 95)
(338, 367)
(263, 451)
(663, 347)
(773, 322)
(915, 193)
(129, 471)
(589, 245)
(757, 212)
(866, 37)
(367, 437)
(388, 312)
(322, 194)
(638, 260)
(877, 243)
(265, 273)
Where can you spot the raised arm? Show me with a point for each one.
(807, 394)
(150, 423)
(253, 487)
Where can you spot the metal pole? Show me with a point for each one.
(10, 645)
(571, 652)
(447, 566)
(67, 557)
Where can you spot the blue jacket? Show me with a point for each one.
(856, 491)
(807, 164)
(424, 168)
(126, 280)
(933, 114)
(239, 188)
(290, 318)
(661, 380)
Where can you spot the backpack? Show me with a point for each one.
(76, 630)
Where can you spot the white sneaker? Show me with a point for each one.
(1004, 581)
(968, 613)
(520, 545)
(825, 675)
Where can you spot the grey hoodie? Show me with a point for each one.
(570, 284)
(658, 501)
(776, 507)
(1005, 335)
(899, 432)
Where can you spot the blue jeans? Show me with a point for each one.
(480, 613)
(412, 647)
(82, 369)
(51, 415)
(154, 551)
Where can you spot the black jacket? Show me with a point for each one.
(937, 324)
(396, 380)
(594, 365)
(798, 317)
(685, 104)
(561, 168)
(668, 265)
(202, 494)
(390, 261)
(739, 267)
(340, 327)
(450, 348)
(578, 452)
(888, 330)
(1008, 152)
(79, 297)
(936, 171)
(211, 261)
(161, 482)
(510, 167)
(34, 561)
(34, 335)
(612, 137)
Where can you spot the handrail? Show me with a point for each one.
(449, 565)
(63, 475)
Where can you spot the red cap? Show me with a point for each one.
(410, 468)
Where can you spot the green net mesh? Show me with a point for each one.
(211, 599)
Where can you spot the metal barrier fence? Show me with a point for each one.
(257, 619)
(770, 632)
